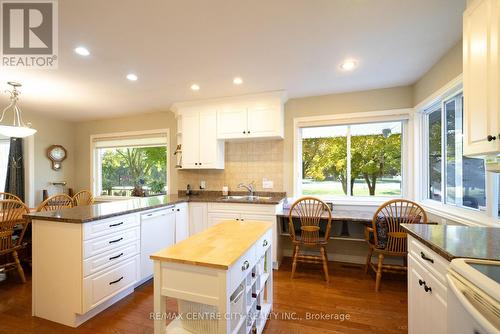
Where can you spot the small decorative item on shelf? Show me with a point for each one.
(178, 155)
(56, 154)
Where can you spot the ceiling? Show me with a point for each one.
(296, 45)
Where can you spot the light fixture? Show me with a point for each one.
(348, 65)
(195, 87)
(18, 129)
(82, 51)
(237, 81)
(132, 77)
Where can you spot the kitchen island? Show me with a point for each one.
(221, 278)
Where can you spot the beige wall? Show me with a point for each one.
(51, 131)
(244, 162)
(372, 100)
(446, 69)
(151, 121)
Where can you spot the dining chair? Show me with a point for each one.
(56, 202)
(386, 237)
(12, 229)
(310, 212)
(9, 196)
(83, 197)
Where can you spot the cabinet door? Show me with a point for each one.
(181, 222)
(232, 122)
(481, 77)
(209, 148)
(197, 217)
(216, 218)
(416, 307)
(190, 140)
(265, 121)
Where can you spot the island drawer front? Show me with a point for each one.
(429, 259)
(103, 227)
(102, 261)
(102, 286)
(103, 244)
(263, 244)
(242, 267)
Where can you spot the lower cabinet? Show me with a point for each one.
(426, 290)
(197, 217)
(181, 222)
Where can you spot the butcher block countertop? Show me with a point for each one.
(219, 246)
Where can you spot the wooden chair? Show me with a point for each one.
(12, 222)
(9, 196)
(387, 238)
(310, 211)
(83, 197)
(56, 202)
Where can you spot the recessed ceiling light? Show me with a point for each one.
(132, 77)
(82, 51)
(348, 65)
(195, 87)
(237, 81)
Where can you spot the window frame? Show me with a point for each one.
(394, 115)
(95, 175)
(464, 215)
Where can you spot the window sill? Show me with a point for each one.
(112, 198)
(463, 216)
(355, 201)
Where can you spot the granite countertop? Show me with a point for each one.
(83, 214)
(456, 241)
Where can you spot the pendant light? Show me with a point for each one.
(18, 129)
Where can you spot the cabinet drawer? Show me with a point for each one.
(100, 228)
(429, 259)
(108, 242)
(99, 262)
(241, 268)
(102, 286)
(263, 244)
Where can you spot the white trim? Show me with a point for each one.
(440, 94)
(125, 134)
(465, 216)
(30, 172)
(405, 115)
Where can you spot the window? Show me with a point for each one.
(352, 160)
(130, 165)
(453, 178)
(4, 161)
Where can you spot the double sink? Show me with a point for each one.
(250, 198)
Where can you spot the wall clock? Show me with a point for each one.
(56, 154)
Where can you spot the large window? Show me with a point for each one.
(352, 160)
(130, 166)
(453, 178)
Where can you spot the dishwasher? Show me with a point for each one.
(157, 233)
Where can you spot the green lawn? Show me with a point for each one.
(385, 187)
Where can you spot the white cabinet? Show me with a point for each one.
(181, 222)
(427, 301)
(157, 232)
(481, 62)
(197, 217)
(252, 120)
(200, 147)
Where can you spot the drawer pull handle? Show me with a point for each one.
(245, 266)
(115, 225)
(427, 288)
(117, 240)
(426, 258)
(265, 243)
(118, 280)
(115, 257)
(420, 282)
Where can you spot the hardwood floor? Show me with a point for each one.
(350, 292)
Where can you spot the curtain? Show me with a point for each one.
(14, 183)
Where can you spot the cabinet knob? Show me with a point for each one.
(178, 209)
(265, 243)
(427, 288)
(423, 256)
(420, 282)
(248, 131)
(245, 266)
(244, 132)
(199, 163)
(491, 138)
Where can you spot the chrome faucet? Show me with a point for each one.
(250, 187)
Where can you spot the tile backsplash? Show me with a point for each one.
(244, 162)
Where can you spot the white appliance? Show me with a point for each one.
(473, 297)
(157, 232)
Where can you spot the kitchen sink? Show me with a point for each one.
(245, 198)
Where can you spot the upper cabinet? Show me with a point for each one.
(262, 118)
(481, 57)
(200, 148)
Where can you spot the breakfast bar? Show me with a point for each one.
(221, 278)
